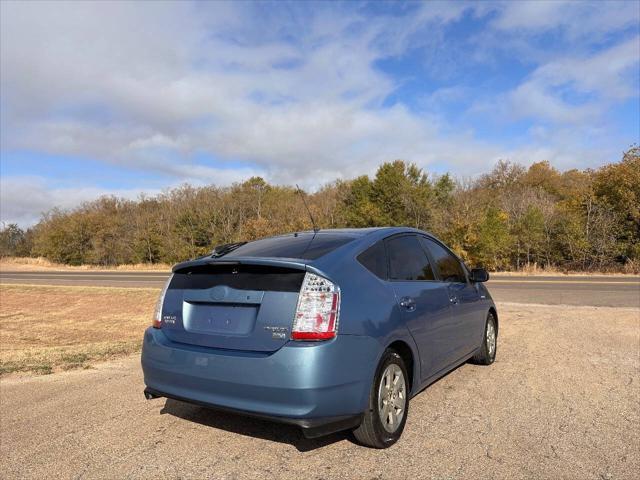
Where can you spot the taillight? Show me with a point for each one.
(156, 321)
(318, 309)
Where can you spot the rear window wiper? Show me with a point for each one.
(222, 250)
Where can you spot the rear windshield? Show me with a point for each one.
(302, 245)
(240, 277)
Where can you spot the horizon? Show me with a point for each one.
(460, 182)
(126, 98)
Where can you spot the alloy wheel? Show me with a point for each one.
(392, 398)
(491, 338)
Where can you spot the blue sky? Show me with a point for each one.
(123, 98)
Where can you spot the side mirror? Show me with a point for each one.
(479, 275)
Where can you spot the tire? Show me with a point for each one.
(486, 354)
(374, 431)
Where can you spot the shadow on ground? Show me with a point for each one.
(255, 427)
(251, 427)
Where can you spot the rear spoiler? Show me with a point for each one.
(292, 263)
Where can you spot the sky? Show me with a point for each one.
(122, 98)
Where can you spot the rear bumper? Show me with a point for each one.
(303, 383)
(311, 427)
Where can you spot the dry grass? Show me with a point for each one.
(632, 268)
(27, 264)
(48, 328)
(558, 273)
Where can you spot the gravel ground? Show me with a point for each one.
(561, 401)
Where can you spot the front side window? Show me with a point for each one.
(407, 259)
(448, 265)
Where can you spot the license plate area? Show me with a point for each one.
(221, 319)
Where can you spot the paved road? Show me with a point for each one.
(99, 279)
(598, 291)
(605, 291)
(559, 405)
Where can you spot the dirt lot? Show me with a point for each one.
(562, 401)
(48, 328)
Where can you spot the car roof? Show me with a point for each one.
(360, 235)
(356, 232)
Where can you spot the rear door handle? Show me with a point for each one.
(408, 303)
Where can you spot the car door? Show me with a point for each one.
(424, 302)
(467, 315)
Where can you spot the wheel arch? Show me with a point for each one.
(494, 312)
(409, 358)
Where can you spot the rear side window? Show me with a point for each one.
(308, 246)
(374, 259)
(408, 260)
(448, 265)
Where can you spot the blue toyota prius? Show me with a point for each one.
(328, 330)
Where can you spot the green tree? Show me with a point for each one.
(360, 209)
(617, 189)
(492, 246)
(505, 219)
(14, 242)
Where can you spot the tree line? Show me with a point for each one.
(508, 219)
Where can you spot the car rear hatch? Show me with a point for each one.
(239, 305)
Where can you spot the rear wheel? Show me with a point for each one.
(487, 353)
(386, 416)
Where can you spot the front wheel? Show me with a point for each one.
(386, 416)
(486, 355)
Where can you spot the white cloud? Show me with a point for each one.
(23, 199)
(140, 84)
(292, 92)
(575, 19)
(604, 77)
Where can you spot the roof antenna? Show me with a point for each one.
(313, 222)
